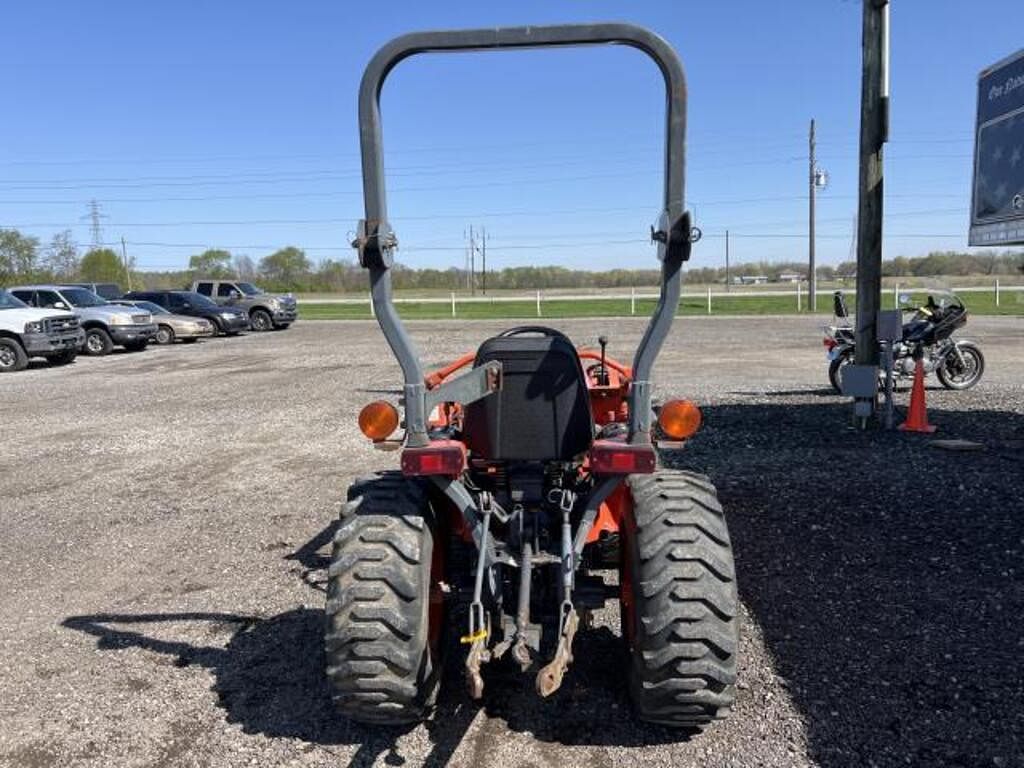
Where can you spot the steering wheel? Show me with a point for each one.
(543, 330)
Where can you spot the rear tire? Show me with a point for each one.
(164, 335)
(953, 378)
(260, 320)
(97, 342)
(679, 601)
(12, 356)
(383, 625)
(834, 376)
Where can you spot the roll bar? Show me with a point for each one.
(376, 241)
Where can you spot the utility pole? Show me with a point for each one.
(483, 257)
(728, 279)
(124, 261)
(874, 132)
(812, 183)
(472, 261)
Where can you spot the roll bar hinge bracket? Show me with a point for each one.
(675, 237)
(375, 241)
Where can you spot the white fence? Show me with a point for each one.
(798, 295)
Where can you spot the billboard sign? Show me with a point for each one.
(997, 199)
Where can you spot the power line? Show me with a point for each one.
(461, 248)
(437, 170)
(334, 194)
(348, 220)
(492, 182)
(695, 141)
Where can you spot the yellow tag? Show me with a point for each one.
(470, 639)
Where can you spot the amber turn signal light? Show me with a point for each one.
(378, 420)
(679, 419)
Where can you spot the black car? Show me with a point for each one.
(225, 320)
(108, 291)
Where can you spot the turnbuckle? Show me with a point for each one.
(549, 679)
(476, 638)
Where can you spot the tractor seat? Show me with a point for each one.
(542, 411)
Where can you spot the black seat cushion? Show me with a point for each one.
(541, 413)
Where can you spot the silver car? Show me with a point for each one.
(169, 326)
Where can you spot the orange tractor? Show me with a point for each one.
(529, 478)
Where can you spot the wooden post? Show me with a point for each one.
(709, 299)
(538, 303)
(632, 301)
(997, 291)
(453, 303)
(798, 307)
(372, 313)
(874, 129)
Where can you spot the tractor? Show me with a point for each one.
(530, 490)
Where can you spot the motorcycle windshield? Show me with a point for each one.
(926, 300)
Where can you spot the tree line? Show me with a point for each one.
(24, 259)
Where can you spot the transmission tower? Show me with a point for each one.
(94, 216)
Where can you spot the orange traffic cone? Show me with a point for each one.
(917, 414)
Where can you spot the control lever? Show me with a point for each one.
(602, 375)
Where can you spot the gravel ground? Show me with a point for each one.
(162, 588)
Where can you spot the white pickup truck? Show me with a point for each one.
(29, 332)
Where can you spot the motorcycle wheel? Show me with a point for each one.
(834, 377)
(953, 375)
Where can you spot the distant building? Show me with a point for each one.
(791, 277)
(751, 279)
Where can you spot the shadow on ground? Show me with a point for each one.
(885, 573)
(269, 679)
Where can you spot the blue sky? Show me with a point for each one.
(233, 124)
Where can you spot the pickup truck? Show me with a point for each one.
(27, 332)
(105, 324)
(267, 311)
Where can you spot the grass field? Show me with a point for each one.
(1012, 303)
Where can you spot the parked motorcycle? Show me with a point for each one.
(958, 363)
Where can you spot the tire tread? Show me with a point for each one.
(378, 665)
(683, 667)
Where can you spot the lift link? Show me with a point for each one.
(476, 638)
(549, 679)
(521, 650)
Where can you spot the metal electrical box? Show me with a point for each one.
(997, 196)
(860, 380)
(890, 325)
